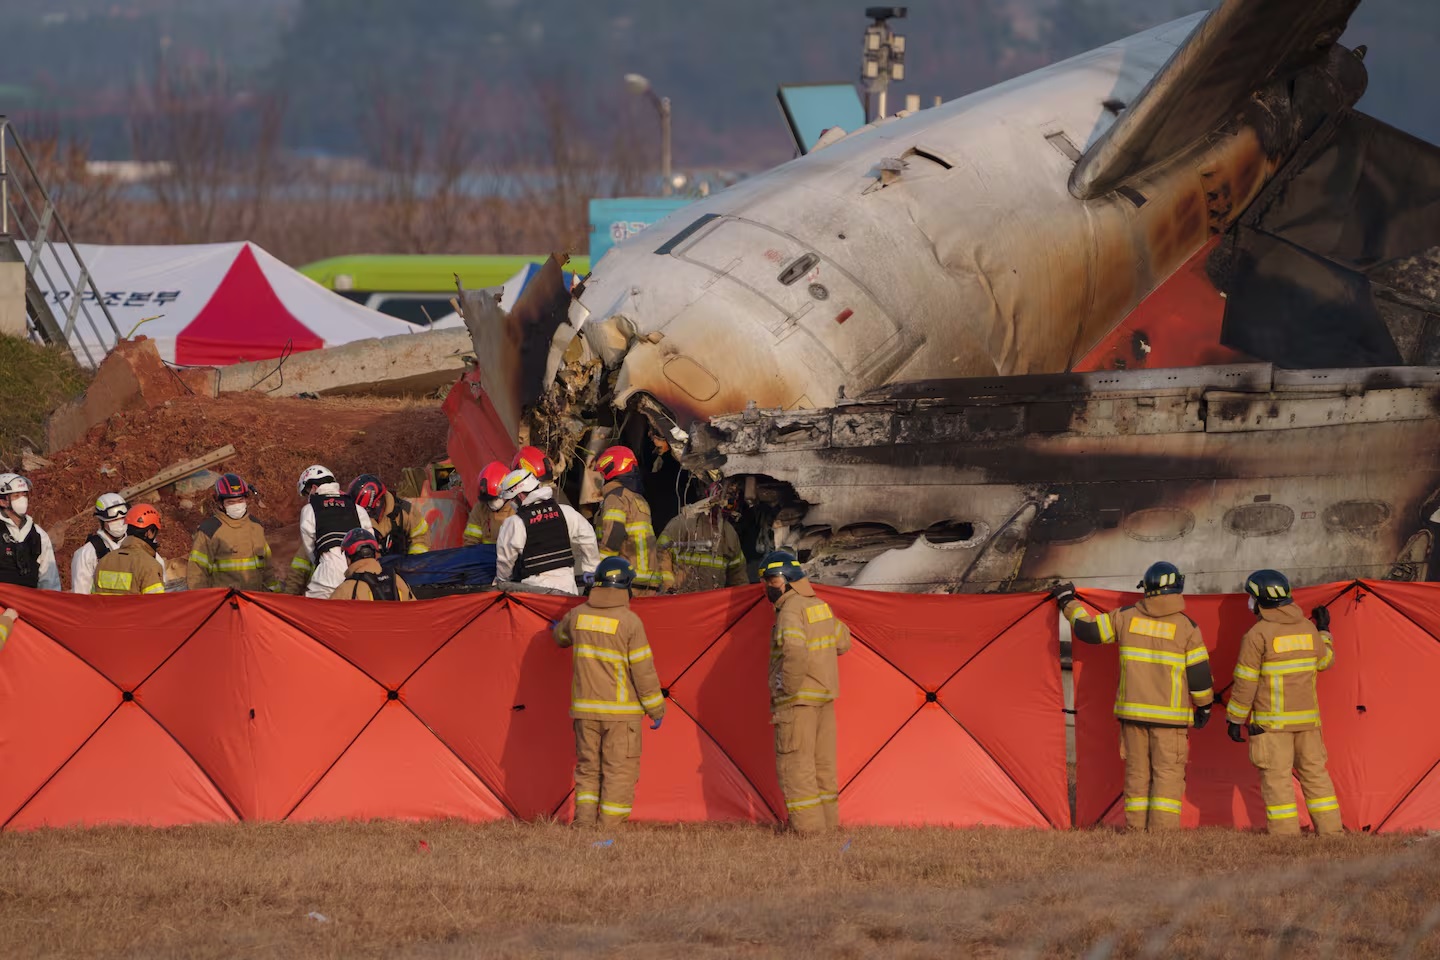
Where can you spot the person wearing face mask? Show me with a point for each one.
(804, 682)
(327, 516)
(622, 523)
(110, 512)
(132, 567)
(230, 549)
(544, 541)
(1165, 688)
(27, 558)
(1274, 697)
(491, 510)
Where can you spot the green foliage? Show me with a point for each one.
(35, 381)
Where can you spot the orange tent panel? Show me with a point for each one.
(686, 777)
(397, 769)
(50, 702)
(129, 771)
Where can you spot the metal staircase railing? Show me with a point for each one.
(62, 304)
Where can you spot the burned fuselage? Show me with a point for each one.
(1012, 483)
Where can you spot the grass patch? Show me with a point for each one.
(36, 380)
(709, 891)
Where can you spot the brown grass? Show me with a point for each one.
(518, 890)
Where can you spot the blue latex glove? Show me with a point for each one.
(655, 724)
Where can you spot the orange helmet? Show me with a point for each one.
(142, 515)
(536, 462)
(490, 478)
(615, 461)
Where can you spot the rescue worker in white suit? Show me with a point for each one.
(541, 544)
(110, 511)
(327, 516)
(27, 558)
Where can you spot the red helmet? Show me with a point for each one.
(615, 461)
(357, 540)
(536, 462)
(368, 492)
(142, 516)
(490, 478)
(231, 487)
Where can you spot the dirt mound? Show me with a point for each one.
(274, 438)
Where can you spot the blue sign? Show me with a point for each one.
(617, 219)
(812, 108)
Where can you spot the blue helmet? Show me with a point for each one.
(781, 563)
(1270, 588)
(1162, 577)
(614, 572)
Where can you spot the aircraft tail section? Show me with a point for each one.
(1241, 47)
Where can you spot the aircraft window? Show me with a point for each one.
(950, 531)
(669, 245)
(798, 269)
(1155, 524)
(1355, 516)
(1259, 519)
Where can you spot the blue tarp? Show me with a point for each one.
(471, 567)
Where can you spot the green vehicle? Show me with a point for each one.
(417, 287)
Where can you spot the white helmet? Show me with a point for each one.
(518, 483)
(13, 483)
(111, 506)
(314, 474)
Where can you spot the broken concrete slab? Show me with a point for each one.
(130, 377)
(389, 366)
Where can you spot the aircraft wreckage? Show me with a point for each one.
(940, 352)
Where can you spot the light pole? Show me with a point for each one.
(883, 59)
(638, 85)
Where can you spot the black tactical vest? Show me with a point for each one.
(335, 516)
(547, 540)
(98, 542)
(398, 539)
(20, 561)
(382, 585)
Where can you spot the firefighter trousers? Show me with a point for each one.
(607, 766)
(1154, 774)
(1275, 754)
(805, 761)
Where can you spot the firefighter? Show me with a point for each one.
(1286, 651)
(400, 528)
(328, 514)
(7, 620)
(110, 511)
(27, 558)
(229, 549)
(133, 566)
(613, 684)
(490, 510)
(542, 542)
(536, 462)
(700, 550)
(1165, 687)
(365, 579)
(804, 682)
(622, 524)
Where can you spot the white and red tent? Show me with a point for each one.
(214, 303)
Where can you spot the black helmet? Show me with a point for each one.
(614, 572)
(781, 563)
(1268, 587)
(357, 541)
(1162, 577)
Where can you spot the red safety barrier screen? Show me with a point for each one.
(212, 706)
(1376, 704)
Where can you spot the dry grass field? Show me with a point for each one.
(447, 890)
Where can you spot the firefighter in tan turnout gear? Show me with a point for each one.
(804, 682)
(491, 510)
(613, 685)
(622, 524)
(133, 567)
(365, 579)
(230, 549)
(700, 550)
(1165, 686)
(1274, 697)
